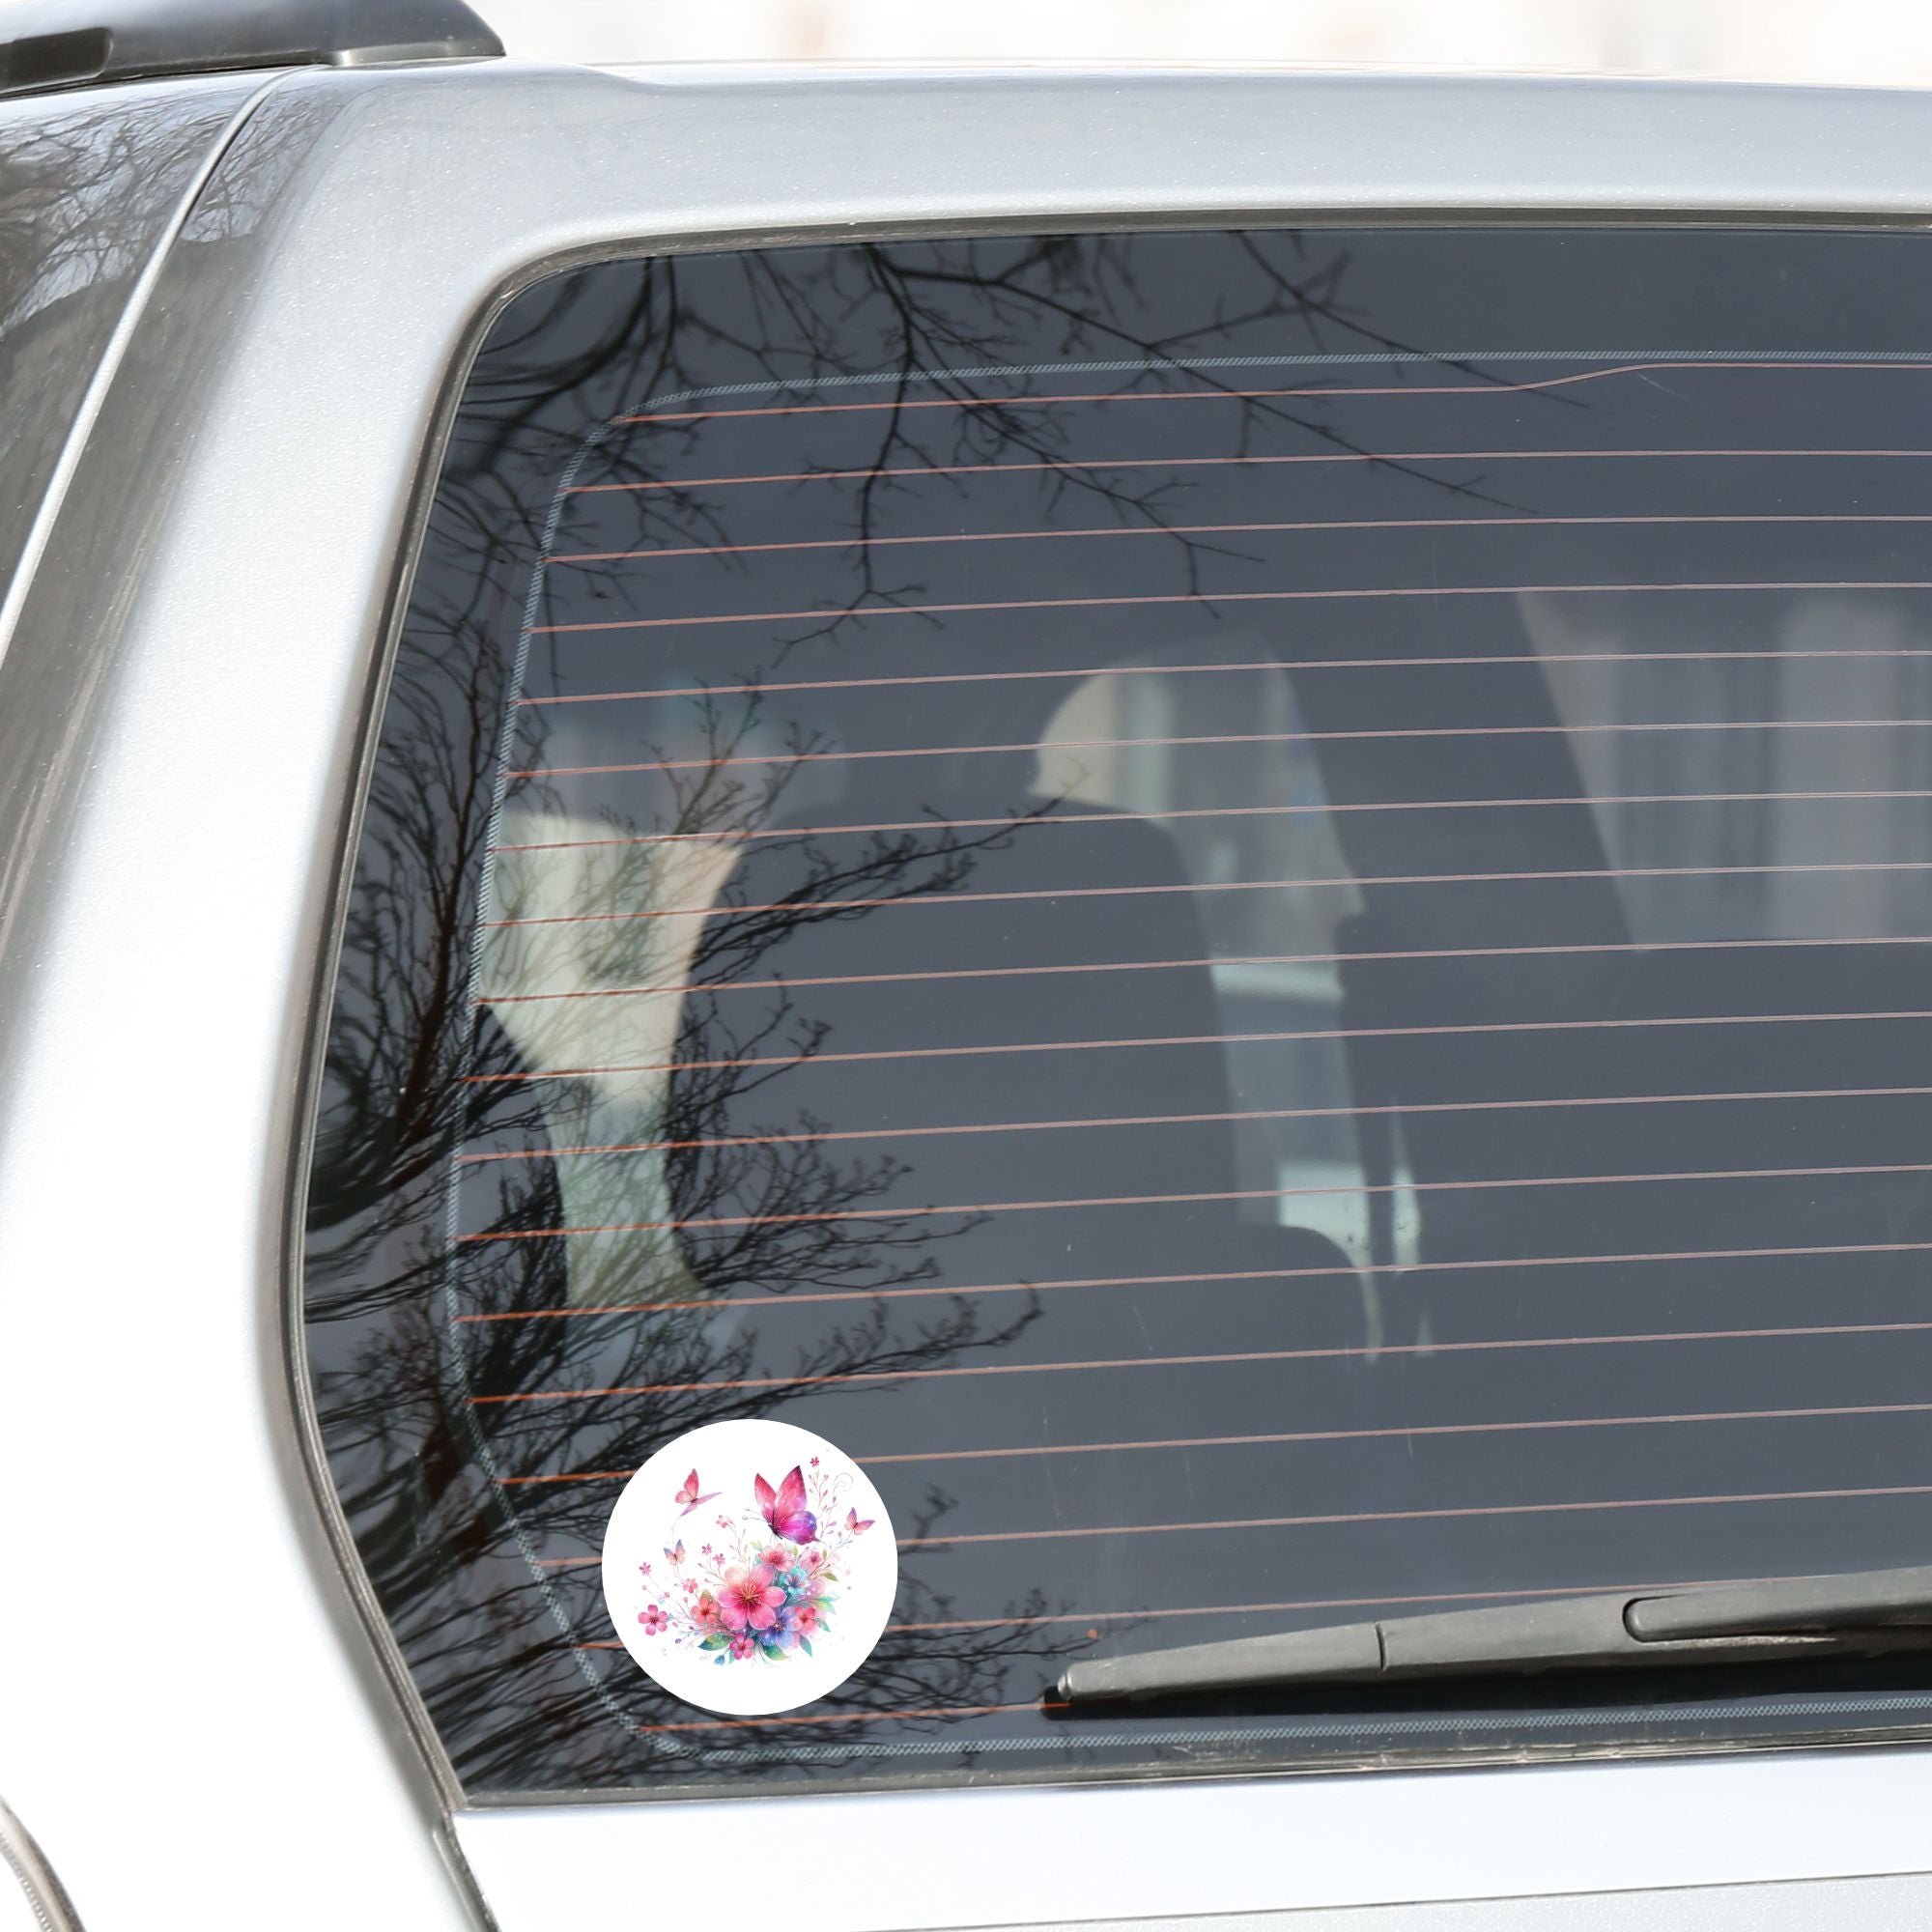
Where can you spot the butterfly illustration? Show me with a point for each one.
(853, 1526)
(675, 1555)
(689, 1497)
(784, 1508)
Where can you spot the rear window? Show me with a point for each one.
(1251, 909)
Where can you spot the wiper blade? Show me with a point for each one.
(1861, 1614)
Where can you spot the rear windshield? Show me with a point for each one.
(1250, 909)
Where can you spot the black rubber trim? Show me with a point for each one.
(61, 44)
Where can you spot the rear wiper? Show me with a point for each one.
(1867, 1612)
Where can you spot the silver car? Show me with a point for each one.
(1086, 801)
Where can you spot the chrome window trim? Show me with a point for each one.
(254, 525)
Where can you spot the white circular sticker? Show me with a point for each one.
(750, 1566)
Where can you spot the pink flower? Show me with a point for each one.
(779, 1556)
(743, 1647)
(750, 1601)
(653, 1620)
(704, 1612)
(815, 1557)
(804, 1619)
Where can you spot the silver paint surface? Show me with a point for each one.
(1345, 1847)
(182, 714)
(88, 185)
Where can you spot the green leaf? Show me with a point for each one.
(717, 1640)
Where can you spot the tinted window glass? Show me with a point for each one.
(1252, 909)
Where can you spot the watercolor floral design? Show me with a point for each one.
(769, 1581)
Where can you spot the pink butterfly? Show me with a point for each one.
(689, 1497)
(854, 1528)
(675, 1555)
(785, 1507)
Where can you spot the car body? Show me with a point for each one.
(217, 517)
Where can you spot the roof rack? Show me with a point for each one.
(56, 43)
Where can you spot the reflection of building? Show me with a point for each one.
(1848, 660)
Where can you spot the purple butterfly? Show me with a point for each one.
(784, 1508)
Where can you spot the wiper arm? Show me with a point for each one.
(1867, 1612)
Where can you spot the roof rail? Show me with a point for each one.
(56, 43)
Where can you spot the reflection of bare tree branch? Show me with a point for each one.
(655, 343)
(86, 185)
(609, 1268)
(395, 1384)
(62, 179)
(1057, 280)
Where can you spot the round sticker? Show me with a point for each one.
(750, 1566)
